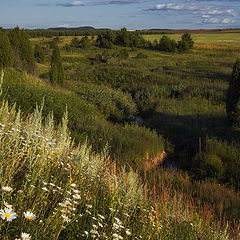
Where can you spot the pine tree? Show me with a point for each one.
(57, 75)
(6, 51)
(24, 57)
(233, 96)
(185, 43)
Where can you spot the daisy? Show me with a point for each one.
(8, 214)
(7, 189)
(29, 215)
(76, 196)
(128, 233)
(66, 218)
(25, 236)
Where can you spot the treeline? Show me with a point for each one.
(169, 45)
(124, 38)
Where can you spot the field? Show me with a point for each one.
(134, 108)
(226, 38)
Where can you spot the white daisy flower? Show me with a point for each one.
(25, 236)
(66, 218)
(76, 196)
(8, 214)
(128, 233)
(73, 185)
(7, 189)
(45, 189)
(29, 215)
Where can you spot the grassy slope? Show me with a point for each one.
(74, 194)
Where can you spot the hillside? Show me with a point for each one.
(51, 188)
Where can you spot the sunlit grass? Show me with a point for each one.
(52, 188)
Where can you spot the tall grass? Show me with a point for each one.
(55, 190)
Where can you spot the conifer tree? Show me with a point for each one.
(233, 96)
(57, 75)
(6, 51)
(24, 57)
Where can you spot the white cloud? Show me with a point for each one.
(227, 20)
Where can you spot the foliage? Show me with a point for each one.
(83, 43)
(55, 41)
(167, 44)
(233, 96)
(186, 42)
(57, 75)
(39, 54)
(6, 51)
(24, 56)
(51, 188)
(116, 105)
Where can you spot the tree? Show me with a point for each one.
(166, 44)
(185, 43)
(6, 51)
(233, 96)
(39, 54)
(24, 57)
(57, 75)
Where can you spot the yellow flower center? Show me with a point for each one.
(25, 237)
(7, 215)
(29, 217)
(7, 190)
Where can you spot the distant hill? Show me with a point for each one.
(85, 28)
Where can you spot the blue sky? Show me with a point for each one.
(115, 14)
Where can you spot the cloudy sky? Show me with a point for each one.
(115, 14)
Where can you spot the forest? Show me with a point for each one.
(135, 95)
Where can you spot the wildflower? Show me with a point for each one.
(73, 185)
(8, 214)
(128, 233)
(76, 196)
(89, 206)
(94, 226)
(29, 215)
(117, 236)
(7, 189)
(25, 236)
(76, 191)
(101, 216)
(66, 218)
(7, 205)
(45, 189)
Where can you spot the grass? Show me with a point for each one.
(70, 192)
(226, 38)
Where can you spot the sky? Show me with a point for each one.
(115, 14)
